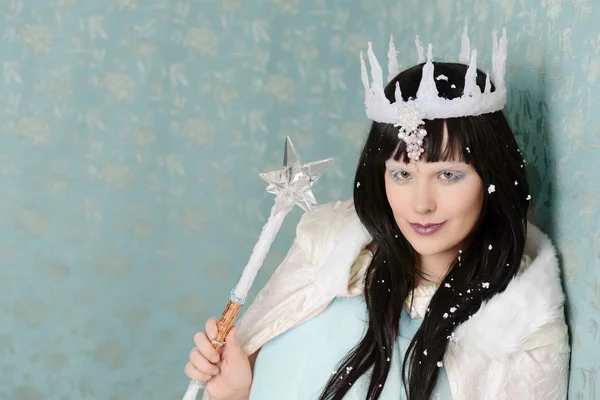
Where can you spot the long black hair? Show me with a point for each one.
(487, 143)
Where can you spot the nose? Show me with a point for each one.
(424, 198)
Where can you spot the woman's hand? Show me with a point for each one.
(228, 376)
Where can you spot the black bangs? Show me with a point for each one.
(439, 147)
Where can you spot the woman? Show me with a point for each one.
(430, 284)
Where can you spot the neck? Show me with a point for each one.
(435, 267)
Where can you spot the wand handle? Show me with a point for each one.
(224, 326)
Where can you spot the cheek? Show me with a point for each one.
(395, 197)
(468, 202)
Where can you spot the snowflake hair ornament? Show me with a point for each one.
(409, 115)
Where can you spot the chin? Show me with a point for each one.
(426, 250)
(430, 246)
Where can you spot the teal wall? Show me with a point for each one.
(132, 133)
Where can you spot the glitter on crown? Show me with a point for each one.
(409, 115)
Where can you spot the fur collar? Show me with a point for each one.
(501, 325)
(531, 300)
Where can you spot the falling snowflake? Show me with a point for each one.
(357, 185)
(485, 285)
(490, 247)
(452, 309)
(492, 189)
(445, 315)
(440, 364)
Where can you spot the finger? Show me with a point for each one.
(211, 328)
(205, 347)
(194, 374)
(232, 340)
(202, 364)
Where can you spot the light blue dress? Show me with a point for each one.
(297, 364)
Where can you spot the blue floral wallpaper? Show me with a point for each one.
(133, 132)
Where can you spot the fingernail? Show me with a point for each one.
(215, 358)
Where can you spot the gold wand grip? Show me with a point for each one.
(225, 324)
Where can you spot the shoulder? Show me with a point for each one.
(327, 217)
(324, 226)
(315, 270)
(530, 312)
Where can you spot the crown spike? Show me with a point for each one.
(427, 88)
(363, 73)
(488, 84)
(397, 93)
(499, 58)
(420, 52)
(376, 72)
(471, 87)
(430, 52)
(465, 46)
(393, 67)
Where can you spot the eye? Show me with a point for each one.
(400, 175)
(451, 176)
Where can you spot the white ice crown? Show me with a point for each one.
(409, 115)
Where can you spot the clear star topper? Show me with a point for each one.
(291, 186)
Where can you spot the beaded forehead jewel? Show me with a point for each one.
(409, 115)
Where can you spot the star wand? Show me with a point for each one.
(291, 186)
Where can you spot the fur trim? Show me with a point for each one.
(349, 238)
(531, 300)
(499, 328)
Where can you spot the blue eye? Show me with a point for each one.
(451, 176)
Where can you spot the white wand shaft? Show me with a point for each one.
(259, 253)
(261, 248)
(291, 186)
